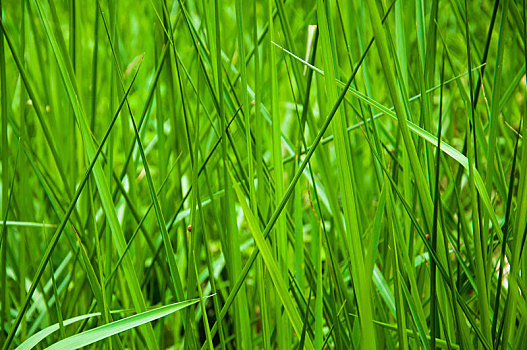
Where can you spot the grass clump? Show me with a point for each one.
(267, 174)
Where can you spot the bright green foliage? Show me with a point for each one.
(264, 174)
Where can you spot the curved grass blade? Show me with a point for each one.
(36, 338)
(97, 334)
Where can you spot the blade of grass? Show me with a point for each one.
(97, 334)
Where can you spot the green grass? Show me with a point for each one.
(263, 174)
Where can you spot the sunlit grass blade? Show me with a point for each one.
(97, 334)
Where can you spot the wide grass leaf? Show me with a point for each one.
(97, 334)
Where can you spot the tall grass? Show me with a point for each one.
(263, 174)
